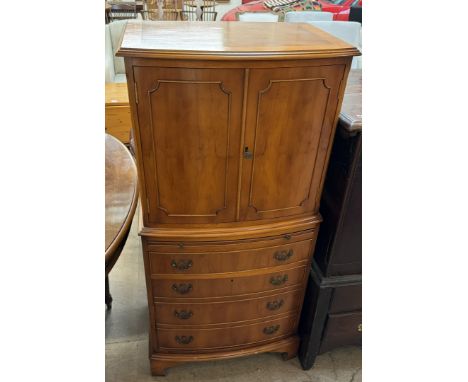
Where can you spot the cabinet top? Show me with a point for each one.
(230, 40)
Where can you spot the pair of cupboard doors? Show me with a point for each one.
(231, 144)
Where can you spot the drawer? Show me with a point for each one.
(346, 299)
(183, 313)
(233, 261)
(226, 284)
(176, 246)
(119, 122)
(195, 339)
(342, 330)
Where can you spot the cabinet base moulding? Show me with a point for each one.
(160, 362)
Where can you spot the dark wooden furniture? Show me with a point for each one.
(332, 309)
(233, 127)
(126, 10)
(121, 202)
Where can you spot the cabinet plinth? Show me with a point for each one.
(232, 138)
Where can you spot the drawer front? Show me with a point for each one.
(227, 311)
(236, 284)
(346, 299)
(191, 339)
(341, 330)
(218, 262)
(119, 122)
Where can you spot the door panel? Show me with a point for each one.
(189, 121)
(288, 131)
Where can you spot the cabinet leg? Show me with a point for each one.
(159, 368)
(290, 351)
(108, 295)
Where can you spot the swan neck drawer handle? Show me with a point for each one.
(279, 280)
(182, 288)
(183, 314)
(283, 255)
(183, 340)
(271, 329)
(182, 265)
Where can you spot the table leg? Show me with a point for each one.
(108, 295)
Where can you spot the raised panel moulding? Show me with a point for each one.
(217, 203)
(261, 97)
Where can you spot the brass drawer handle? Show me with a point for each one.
(359, 328)
(283, 255)
(182, 288)
(182, 265)
(274, 305)
(271, 329)
(278, 280)
(183, 340)
(183, 314)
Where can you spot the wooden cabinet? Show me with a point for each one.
(332, 307)
(233, 126)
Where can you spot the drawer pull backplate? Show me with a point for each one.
(183, 340)
(182, 288)
(271, 329)
(278, 280)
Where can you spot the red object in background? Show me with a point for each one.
(247, 1)
(339, 6)
(341, 16)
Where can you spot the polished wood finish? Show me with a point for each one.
(234, 310)
(232, 41)
(185, 338)
(117, 113)
(192, 150)
(121, 201)
(222, 285)
(121, 193)
(234, 261)
(233, 128)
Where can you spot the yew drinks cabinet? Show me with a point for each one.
(233, 125)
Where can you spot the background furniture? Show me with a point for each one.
(355, 14)
(138, 7)
(121, 202)
(115, 68)
(122, 11)
(163, 10)
(349, 31)
(258, 16)
(117, 113)
(201, 10)
(259, 6)
(306, 16)
(232, 135)
(331, 316)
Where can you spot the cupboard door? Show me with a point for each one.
(189, 126)
(289, 126)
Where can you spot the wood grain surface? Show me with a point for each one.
(121, 193)
(220, 39)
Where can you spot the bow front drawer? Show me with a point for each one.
(185, 338)
(226, 284)
(204, 313)
(218, 262)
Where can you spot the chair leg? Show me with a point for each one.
(108, 295)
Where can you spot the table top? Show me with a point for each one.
(226, 40)
(121, 193)
(116, 94)
(351, 110)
